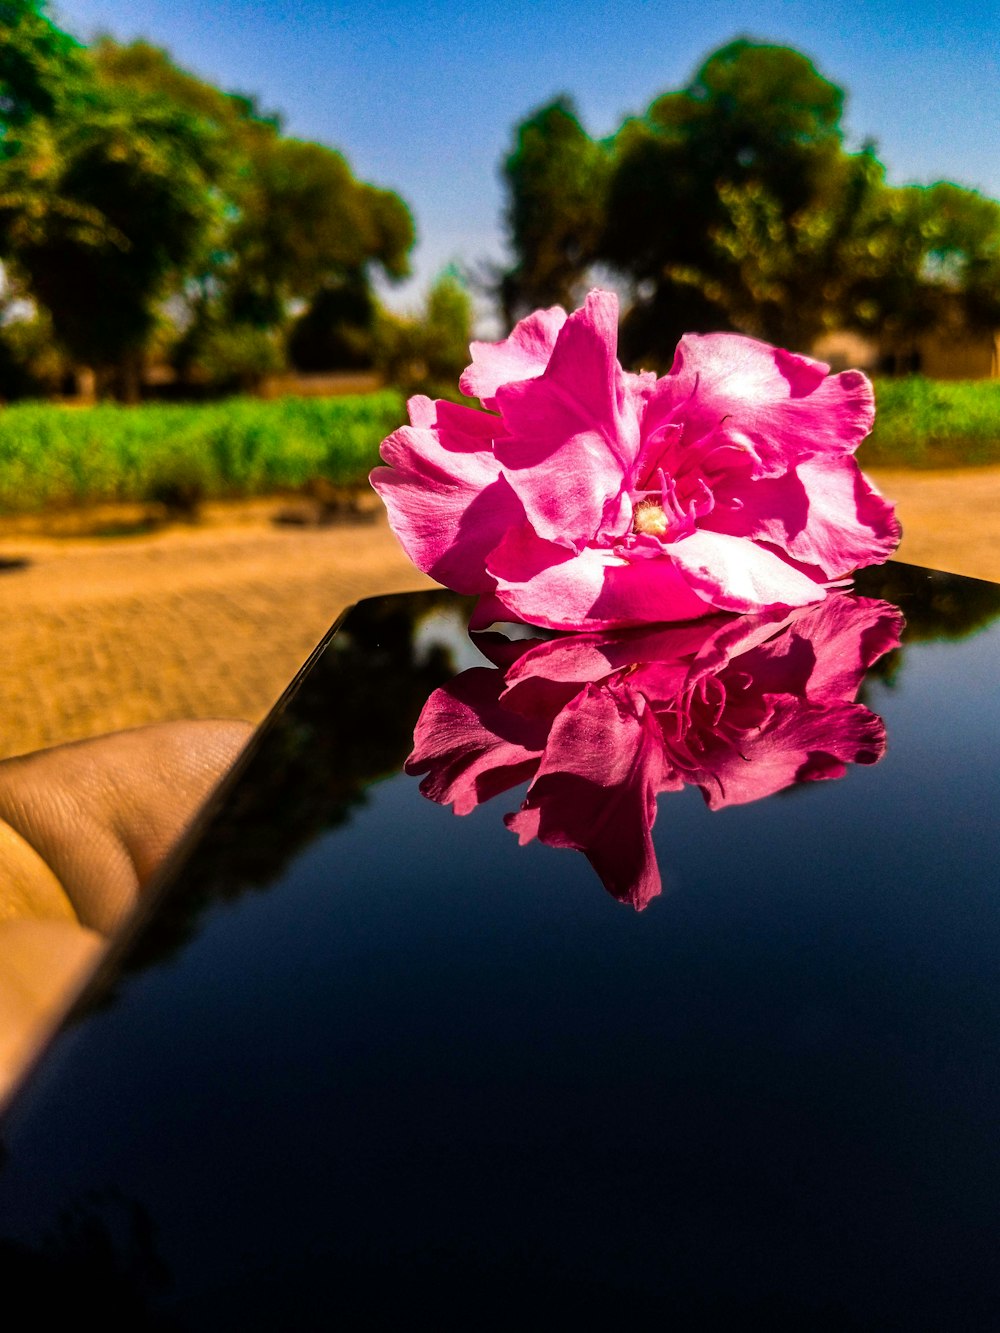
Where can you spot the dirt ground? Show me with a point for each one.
(100, 633)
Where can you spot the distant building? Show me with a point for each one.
(940, 354)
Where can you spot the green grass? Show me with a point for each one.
(52, 457)
(922, 423)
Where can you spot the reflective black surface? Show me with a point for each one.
(367, 1063)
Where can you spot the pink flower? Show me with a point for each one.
(586, 497)
(600, 723)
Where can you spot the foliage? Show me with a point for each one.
(556, 178)
(112, 206)
(934, 260)
(106, 196)
(304, 222)
(428, 353)
(337, 331)
(148, 69)
(447, 328)
(52, 456)
(298, 223)
(732, 204)
(128, 186)
(236, 356)
(761, 260)
(712, 204)
(39, 66)
(30, 363)
(934, 423)
(719, 198)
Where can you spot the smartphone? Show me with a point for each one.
(355, 1059)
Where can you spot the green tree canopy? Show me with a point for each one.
(426, 353)
(733, 204)
(304, 223)
(298, 220)
(110, 208)
(933, 260)
(149, 69)
(556, 178)
(39, 67)
(737, 167)
(681, 200)
(761, 260)
(127, 183)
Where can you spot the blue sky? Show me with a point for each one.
(422, 97)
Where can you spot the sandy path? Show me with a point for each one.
(98, 635)
(951, 519)
(213, 621)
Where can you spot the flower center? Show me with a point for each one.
(662, 510)
(649, 518)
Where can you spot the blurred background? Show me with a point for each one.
(234, 238)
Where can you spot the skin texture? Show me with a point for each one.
(82, 829)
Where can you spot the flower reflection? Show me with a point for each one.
(601, 722)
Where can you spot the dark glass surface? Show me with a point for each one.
(362, 1062)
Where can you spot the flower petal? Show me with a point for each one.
(575, 660)
(547, 585)
(733, 574)
(800, 742)
(447, 502)
(775, 405)
(846, 634)
(470, 748)
(572, 435)
(522, 356)
(850, 525)
(595, 790)
(824, 513)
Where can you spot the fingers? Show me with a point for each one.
(29, 891)
(42, 966)
(101, 814)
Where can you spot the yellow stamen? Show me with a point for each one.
(649, 518)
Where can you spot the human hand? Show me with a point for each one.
(82, 829)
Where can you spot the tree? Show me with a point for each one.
(305, 223)
(300, 228)
(39, 68)
(129, 184)
(556, 178)
(338, 330)
(732, 204)
(105, 198)
(428, 353)
(749, 154)
(933, 262)
(447, 328)
(149, 69)
(113, 206)
(788, 278)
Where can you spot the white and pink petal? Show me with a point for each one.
(447, 502)
(595, 588)
(571, 435)
(733, 574)
(522, 356)
(775, 406)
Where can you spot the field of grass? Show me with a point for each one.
(56, 457)
(923, 423)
